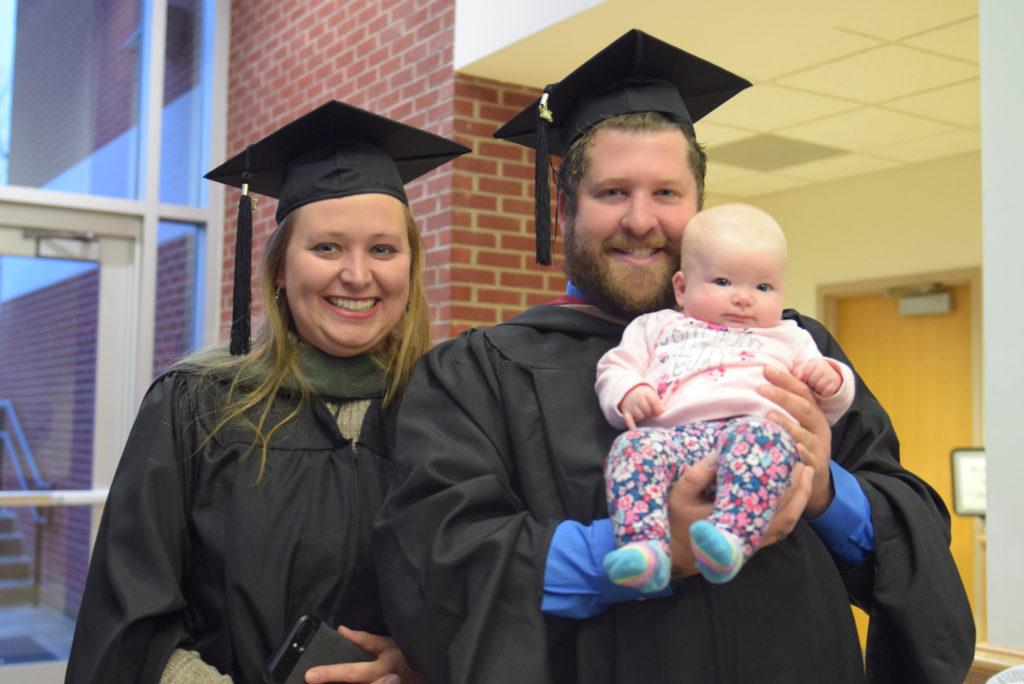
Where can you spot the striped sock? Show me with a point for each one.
(718, 554)
(643, 565)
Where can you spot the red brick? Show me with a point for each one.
(501, 150)
(473, 201)
(461, 255)
(474, 238)
(535, 298)
(518, 170)
(497, 222)
(499, 259)
(474, 313)
(489, 296)
(518, 100)
(483, 130)
(497, 113)
(512, 205)
(463, 274)
(477, 165)
(500, 187)
(475, 92)
(525, 244)
(527, 281)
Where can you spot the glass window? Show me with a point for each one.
(181, 263)
(188, 67)
(48, 334)
(70, 93)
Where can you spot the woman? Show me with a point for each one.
(248, 485)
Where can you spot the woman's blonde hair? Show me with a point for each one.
(272, 363)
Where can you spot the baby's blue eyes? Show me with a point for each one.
(725, 282)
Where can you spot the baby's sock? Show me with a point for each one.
(643, 565)
(718, 554)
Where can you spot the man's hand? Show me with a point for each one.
(810, 431)
(639, 403)
(689, 502)
(389, 667)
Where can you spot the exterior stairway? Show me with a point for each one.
(16, 586)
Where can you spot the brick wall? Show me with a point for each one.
(492, 263)
(175, 322)
(393, 57)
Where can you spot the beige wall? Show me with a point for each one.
(918, 219)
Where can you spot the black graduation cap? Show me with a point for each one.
(336, 150)
(636, 73)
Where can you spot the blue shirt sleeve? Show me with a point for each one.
(575, 584)
(845, 527)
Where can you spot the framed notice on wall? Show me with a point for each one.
(969, 481)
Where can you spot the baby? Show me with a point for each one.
(684, 384)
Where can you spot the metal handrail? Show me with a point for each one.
(25, 454)
(30, 461)
(54, 497)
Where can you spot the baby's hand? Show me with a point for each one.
(639, 403)
(821, 376)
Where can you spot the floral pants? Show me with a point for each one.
(755, 462)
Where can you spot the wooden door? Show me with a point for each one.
(920, 368)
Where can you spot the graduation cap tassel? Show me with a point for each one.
(542, 216)
(240, 314)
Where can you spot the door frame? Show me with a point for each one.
(117, 330)
(828, 297)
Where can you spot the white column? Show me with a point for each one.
(1002, 172)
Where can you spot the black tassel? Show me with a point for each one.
(240, 314)
(542, 198)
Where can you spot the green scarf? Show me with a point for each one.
(343, 379)
(357, 377)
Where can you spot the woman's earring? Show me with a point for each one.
(408, 306)
(277, 294)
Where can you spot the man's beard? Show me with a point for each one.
(617, 289)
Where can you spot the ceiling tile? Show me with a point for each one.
(932, 147)
(719, 172)
(881, 74)
(957, 104)
(755, 184)
(711, 134)
(769, 152)
(864, 129)
(767, 107)
(894, 20)
(959, 40)
(836, 167)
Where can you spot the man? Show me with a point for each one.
(490, 545)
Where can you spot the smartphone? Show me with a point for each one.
(307, 643)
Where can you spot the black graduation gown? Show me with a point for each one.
(192, 553)
(500, 437)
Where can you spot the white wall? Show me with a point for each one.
(506, 22)
(918, 219)
(1002, 141)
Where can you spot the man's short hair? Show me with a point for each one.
(576, 161)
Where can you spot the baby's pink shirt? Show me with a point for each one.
(703, 371)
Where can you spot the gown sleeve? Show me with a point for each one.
(132, 614)
(921, 627)
(461, 558)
